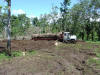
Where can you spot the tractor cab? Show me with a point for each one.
(67, 37)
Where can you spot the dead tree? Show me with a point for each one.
(9, 28)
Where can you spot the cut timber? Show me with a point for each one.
(48, 36)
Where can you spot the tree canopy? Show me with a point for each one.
(82, 20)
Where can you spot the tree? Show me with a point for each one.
(43, 22)
(95, 5)
(0, 9)
(0, 18)
(81, 14)
(9, 28)
(15, 23)
(53, 17)
(35, 21)
(19, 24)
(64, 10)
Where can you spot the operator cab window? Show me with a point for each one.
(64, 34)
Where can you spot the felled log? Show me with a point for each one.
(44, 37)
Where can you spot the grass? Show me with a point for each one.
(93, 42)
(16, 53)
(32, 52)
(4, 56)
(97, 51)
(93, 61)
(98, 55)
(67, 45)
(88, 46)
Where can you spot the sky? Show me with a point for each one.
(34, 8)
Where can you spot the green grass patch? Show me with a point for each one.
(98, 55)
(67, 45)
(97, 51)
(4, 56)
(94, 62)
(32, 52)
(17, 53)
(93, 42)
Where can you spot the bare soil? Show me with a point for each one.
(64, 59)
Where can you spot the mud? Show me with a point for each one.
(64, 59)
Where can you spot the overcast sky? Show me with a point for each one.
(34, 8)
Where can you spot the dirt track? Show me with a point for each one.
(64, 59)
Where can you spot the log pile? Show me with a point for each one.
(44, 36)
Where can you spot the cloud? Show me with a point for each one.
(31, 16)
(91, 19)
(97, 20)
(98, 12)
(50, 20)
(19, 11)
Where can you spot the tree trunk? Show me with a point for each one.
(63, 25)
(82, 36)
(9, 29)
(92, 36)
(98, 36)
(87, 36)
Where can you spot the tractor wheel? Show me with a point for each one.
(73, 41)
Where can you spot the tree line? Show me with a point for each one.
(82, 19)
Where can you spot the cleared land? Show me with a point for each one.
(81, 58)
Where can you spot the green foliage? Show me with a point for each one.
(16, 53)
(7, 0)
(32, 52)
(35, 21)
(20, 24)
(75, 20)
(3, 56)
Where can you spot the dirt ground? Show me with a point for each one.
(63, 59)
